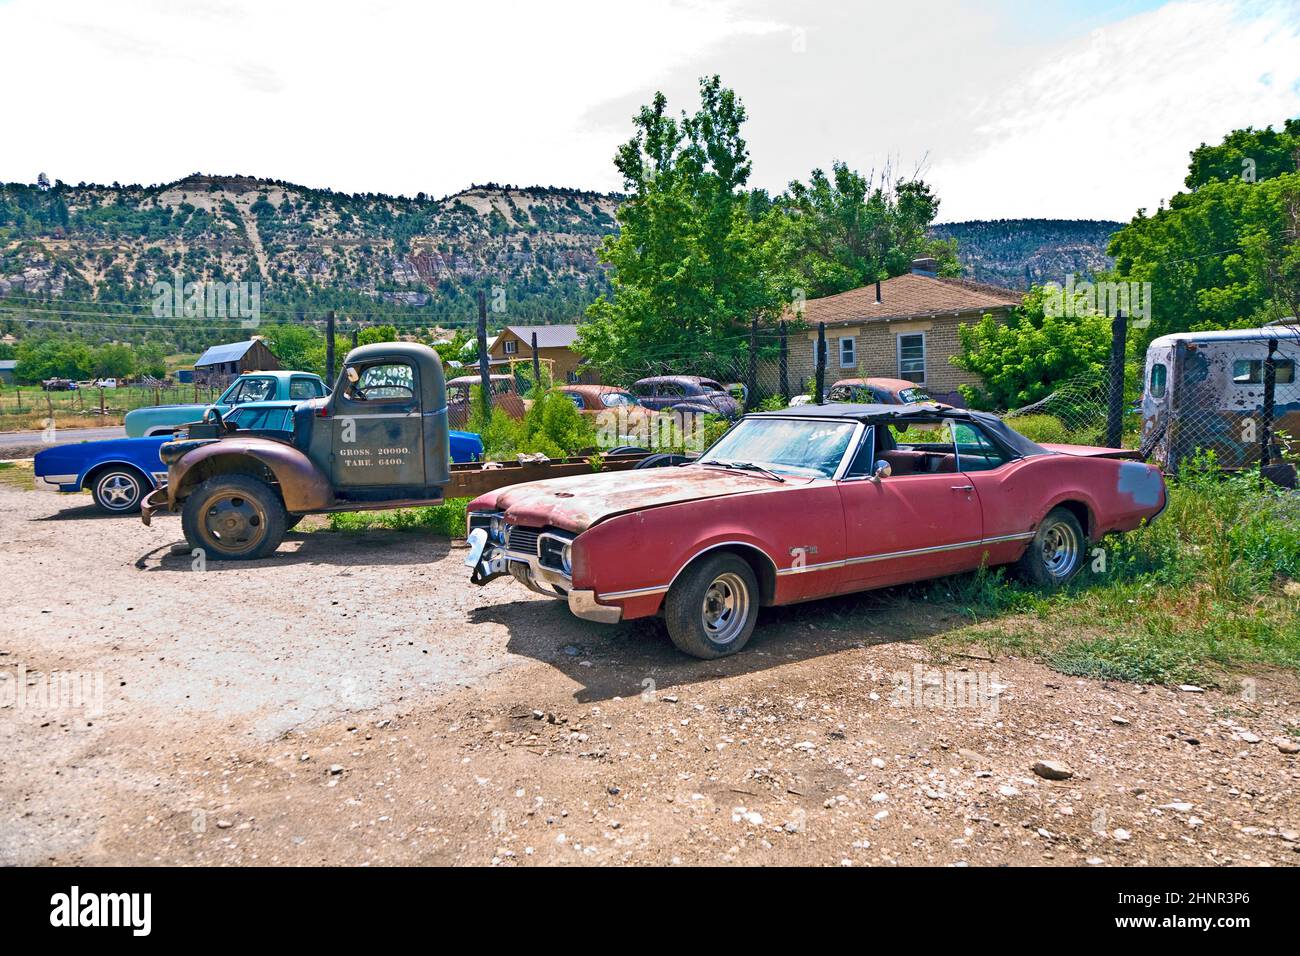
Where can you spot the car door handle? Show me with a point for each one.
(963, 487)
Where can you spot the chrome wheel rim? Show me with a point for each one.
(236, 522)
(1061, 549)
(725, 608)
(118, 491)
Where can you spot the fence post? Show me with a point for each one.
(101, 401)
(329, 346)
(751, 378)
(784, 366)
(18, 393)
(820, 385)
(1270, 393)
(485, 380)
(1115, 395)
(537, 368)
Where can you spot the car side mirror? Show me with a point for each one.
(883, 470)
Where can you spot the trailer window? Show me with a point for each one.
(1251, 371)
(1159, 377)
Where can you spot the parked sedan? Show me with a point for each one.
(685, 393)
(882, 391)
(594, 399)
(807, 503)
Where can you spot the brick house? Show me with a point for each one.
(554, 345)
(904, 327)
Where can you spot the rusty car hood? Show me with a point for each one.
(580, 501)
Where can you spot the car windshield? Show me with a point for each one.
(809, 448)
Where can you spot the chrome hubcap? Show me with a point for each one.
(118, 491)
(726, 606)
(235, 521)
(1060, 550)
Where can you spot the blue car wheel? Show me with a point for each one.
(117, 491)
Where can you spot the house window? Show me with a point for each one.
(825, 357)
(911, 357)
(848, 352)
(511, 347)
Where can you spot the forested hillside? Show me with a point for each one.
(99, 249)
(1018, 253)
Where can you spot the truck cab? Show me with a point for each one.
(380, 439)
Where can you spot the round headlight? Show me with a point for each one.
(566, 559)
(497, 529)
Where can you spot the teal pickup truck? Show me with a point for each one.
(249, 387)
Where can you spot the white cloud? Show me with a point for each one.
(1018, 114)
(1103, 125)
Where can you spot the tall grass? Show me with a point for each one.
(1213, 584)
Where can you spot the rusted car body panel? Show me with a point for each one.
(1204, 392)
(302, 484)
(808, 538)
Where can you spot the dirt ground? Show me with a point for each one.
(353, 700)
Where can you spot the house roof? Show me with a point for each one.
(548, 336)
(217, 354)
(8, 365)
(909, 296)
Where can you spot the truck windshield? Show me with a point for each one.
(808, 448)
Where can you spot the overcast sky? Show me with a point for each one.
(1069, 109)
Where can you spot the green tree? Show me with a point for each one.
(1247, 154)
(113, 361)
(150, 360)
(840, 232)
(687, 271)
(1224, 256)
(298, 347)
(52, 357)
(1028, 357)
(377, 333)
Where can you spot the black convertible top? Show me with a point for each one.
(917, 412)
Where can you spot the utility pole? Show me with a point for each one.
(329, 346)
(485, 380)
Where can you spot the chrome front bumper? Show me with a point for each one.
(583, 604)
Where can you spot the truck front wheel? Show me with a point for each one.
(234, 518)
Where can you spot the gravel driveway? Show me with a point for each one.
(354, 700)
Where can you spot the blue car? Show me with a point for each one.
(119, 472)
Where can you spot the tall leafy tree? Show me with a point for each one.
(843, 231)
(688, 273)
(1247, 154)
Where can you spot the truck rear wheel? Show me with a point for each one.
(712, 607)
(234, 518)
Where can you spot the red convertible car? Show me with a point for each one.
(806, 503)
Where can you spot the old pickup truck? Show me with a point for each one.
(379, 440)
(806, 503)
(249, 387)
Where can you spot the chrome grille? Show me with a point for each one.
(523, 540)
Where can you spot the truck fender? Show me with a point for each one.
(303, 486)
